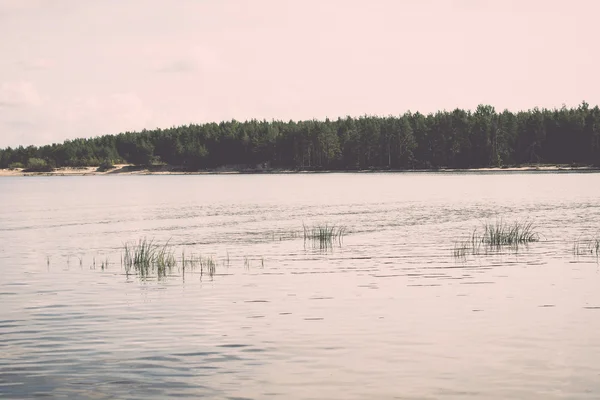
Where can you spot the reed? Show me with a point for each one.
(205, 264)
(209, 265)
(164, 260)
(324, 236)
(145, 257)
(497, 235)
(500, 233)
(461, 249)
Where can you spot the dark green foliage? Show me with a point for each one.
(39, 165)
(16, 165)
(106, 165)
(456, 139)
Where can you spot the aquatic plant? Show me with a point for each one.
(209, 265)
(205, 265)
(497, 235)
(146, 257)
(164, 259)
(500, 233)
(461, 249)
(471, 245)
(324, 236)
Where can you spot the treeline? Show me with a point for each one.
(454, 139)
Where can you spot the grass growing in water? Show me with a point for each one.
(471, 245)
(509, 234)
(207, 265)
(324, 236)
(146, 257)
(497, 235)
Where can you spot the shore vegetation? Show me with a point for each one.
(457, 139)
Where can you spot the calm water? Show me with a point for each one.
(389, 314)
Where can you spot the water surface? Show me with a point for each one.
(389, 314)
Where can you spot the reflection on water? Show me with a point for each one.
(389, 312)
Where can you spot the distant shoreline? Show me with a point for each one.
(126, 169)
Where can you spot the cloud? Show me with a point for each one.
(19, 94)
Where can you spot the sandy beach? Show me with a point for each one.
(128, 169)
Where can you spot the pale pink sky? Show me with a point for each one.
(82, 68)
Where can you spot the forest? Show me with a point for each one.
(445, 139)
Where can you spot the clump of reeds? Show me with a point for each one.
(509, 234)
(146, 257)
(497, 235)
(324, 236)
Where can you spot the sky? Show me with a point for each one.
(84, 68)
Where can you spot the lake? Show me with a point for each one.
(389, 312)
